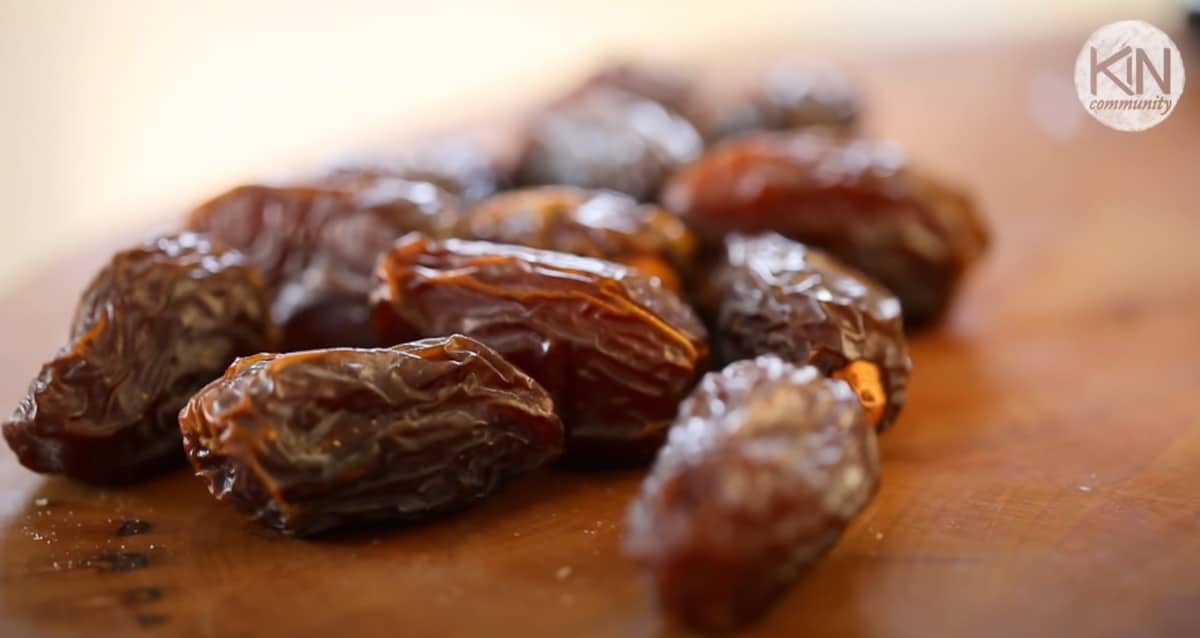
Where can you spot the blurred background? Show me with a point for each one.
(117, 113)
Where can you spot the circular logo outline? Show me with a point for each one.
(1129, 75)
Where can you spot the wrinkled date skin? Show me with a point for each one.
(317, 248)
(312, 441)
(615, 349)
(457, 166)
(765, 465)
(857, 199)
(607, 138)
(781, 297)
(593, 223)
(791, 98)
(159, 322)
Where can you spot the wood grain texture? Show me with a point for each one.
(1041, 482)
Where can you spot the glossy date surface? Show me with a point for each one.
(778, 296)
(857, 199)
(765, 465)
(317, 247)
(460, 167)
(615, 349)
(607, 138)
(592, 223)
(156, 324)
(312, 441)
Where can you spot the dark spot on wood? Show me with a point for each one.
(119, 562)
(151, 620)
(141, 596)
(133, 527)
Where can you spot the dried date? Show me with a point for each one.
(857, 199)
(615, 349)
(317, 247)
(458, 166)
(593, 223)
(312, 441)
(766, 464)
(156, 324)
(674, 89)
(791, 97)
(607, 138)
(780, 297)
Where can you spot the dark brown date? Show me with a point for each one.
(790, 97)
(457, 166)
(317, 247)
(607, 138)
(766, 464)
(156, 324)
(857, 199)
(615, 349)
(312, 441)
(781, 297)
(593, 223)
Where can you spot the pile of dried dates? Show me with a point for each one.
(719, 286)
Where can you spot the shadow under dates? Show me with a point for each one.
(197, 568)
(163, 556)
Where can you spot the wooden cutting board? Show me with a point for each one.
(1043, 481)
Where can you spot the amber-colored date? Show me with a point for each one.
(156, 324)
(766, 464)
(778, 296)
(317, 247)
(312, 441)
(593, 223)
(615, 349)
(857, 199)
(607, 138)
